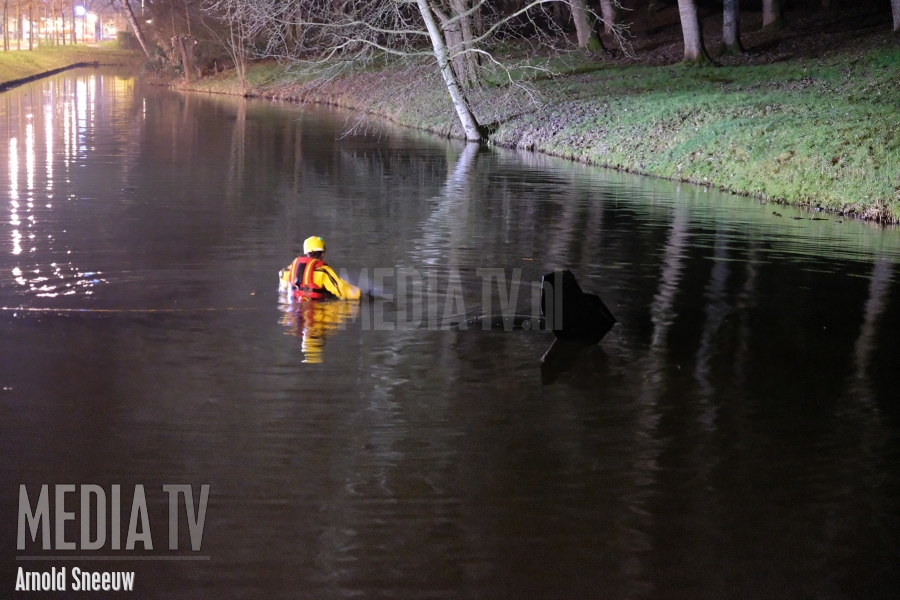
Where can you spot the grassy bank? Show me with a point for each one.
(815, 125)
(19, 65)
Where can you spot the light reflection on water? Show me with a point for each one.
(736, 435)
(314, 322)
(45, 267)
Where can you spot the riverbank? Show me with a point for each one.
(807, 116)
(20, 66)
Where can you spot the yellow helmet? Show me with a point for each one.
(313, 244)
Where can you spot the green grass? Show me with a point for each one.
(825, 135)
(21, 64)
(817, 133)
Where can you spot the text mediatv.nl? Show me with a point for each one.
(81, 581)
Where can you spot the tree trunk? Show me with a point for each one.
(693, 36)
(477, 21)
(466, 118)
(895, 9)
(54, 38)
(587, 37)
(610, 14)
(134, 25)
(30, 28)
(185, 45)
(773, 17)
(238, 52)
(457, 32)
(469, 59)
(731, 28)
(6, 25)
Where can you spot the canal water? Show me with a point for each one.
(734, 436)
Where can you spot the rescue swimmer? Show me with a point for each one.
(309, 278)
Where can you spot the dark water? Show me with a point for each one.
(735, 436)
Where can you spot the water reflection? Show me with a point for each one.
(313, 321)
(60, 115)
(717, 309)
(442, 233)
(879, 286)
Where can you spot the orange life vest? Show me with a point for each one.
(302, 277)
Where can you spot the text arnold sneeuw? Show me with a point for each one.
(81, 581)
(37, 521)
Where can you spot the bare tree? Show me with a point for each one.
(610, 11)
(62, 16)
(134, 25)
(235, 38)
(327, 38)
(731, 28)
(584, 29)
(457, 28)
(693, 35)
(460, 103)
(184, 45)
(72, 24)
(587, 21)
(5, 25)
(773, 15)
(238, 55)
(895, 9)
(53, 8)
(52, 35)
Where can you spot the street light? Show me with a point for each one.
(80, 11)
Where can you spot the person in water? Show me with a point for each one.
(309, 278)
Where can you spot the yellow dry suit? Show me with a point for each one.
(311, 279)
